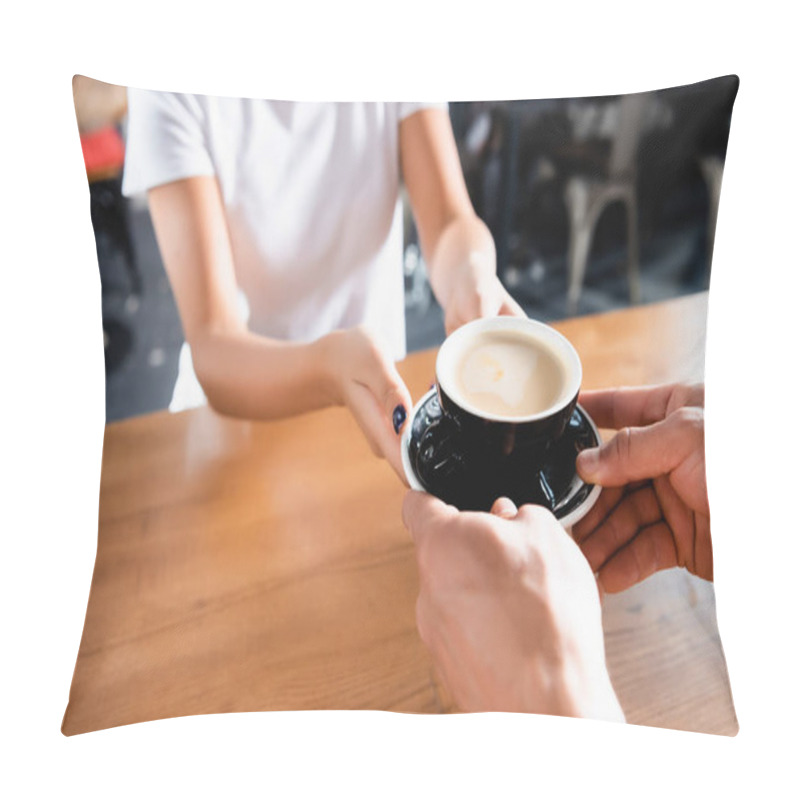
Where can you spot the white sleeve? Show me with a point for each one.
(166, 140)
(407, 109)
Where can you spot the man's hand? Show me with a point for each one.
(653, 513)
(509, 610)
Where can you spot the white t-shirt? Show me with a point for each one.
(311, 194)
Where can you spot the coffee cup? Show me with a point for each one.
(509, 385)
(506, 388)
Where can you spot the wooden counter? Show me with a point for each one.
(260, 566)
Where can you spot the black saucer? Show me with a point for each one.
(434, 463)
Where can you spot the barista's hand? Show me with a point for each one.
(653, 512)
(366, 380)
(476, 292)
(509, 610)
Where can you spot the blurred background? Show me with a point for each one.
(594, 203)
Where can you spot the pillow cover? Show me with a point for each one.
(250, 565)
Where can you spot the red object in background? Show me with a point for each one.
(103, 152)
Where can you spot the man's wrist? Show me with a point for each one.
(591, 696)
(572, 692)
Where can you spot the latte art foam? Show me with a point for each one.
(507, 374)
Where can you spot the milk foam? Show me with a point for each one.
(508, 374)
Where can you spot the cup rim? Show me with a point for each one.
(545, 332)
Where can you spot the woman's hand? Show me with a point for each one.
(653, 513)
(363, 378)
(475, 291)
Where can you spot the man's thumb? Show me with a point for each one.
(636, 454)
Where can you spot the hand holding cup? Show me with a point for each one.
(653, 512)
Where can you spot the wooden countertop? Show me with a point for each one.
(247, 566)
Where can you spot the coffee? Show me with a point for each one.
(509, 374)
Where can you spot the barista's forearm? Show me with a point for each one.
(250, 376)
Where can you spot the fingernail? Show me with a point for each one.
(398, 417)
(588, 462)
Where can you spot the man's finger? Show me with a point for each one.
(635, 454)
(635, 512)
(505, 508)
(652, 550)
(636, 406)
(606, 503)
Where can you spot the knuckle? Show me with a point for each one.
(533, 514)
(697, 394)
(488, 536)
(686, 395)
(690, 418)
(481, 541)
(621, 447)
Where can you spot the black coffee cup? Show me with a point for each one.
(470, 451)
(513, 434)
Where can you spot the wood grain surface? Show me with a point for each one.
(264, 566)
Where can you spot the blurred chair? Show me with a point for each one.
(587, 197)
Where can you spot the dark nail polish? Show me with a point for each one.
(398, 417)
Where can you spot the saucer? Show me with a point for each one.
(433, 463)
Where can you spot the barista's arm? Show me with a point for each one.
(247, 375)
(457, 246)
